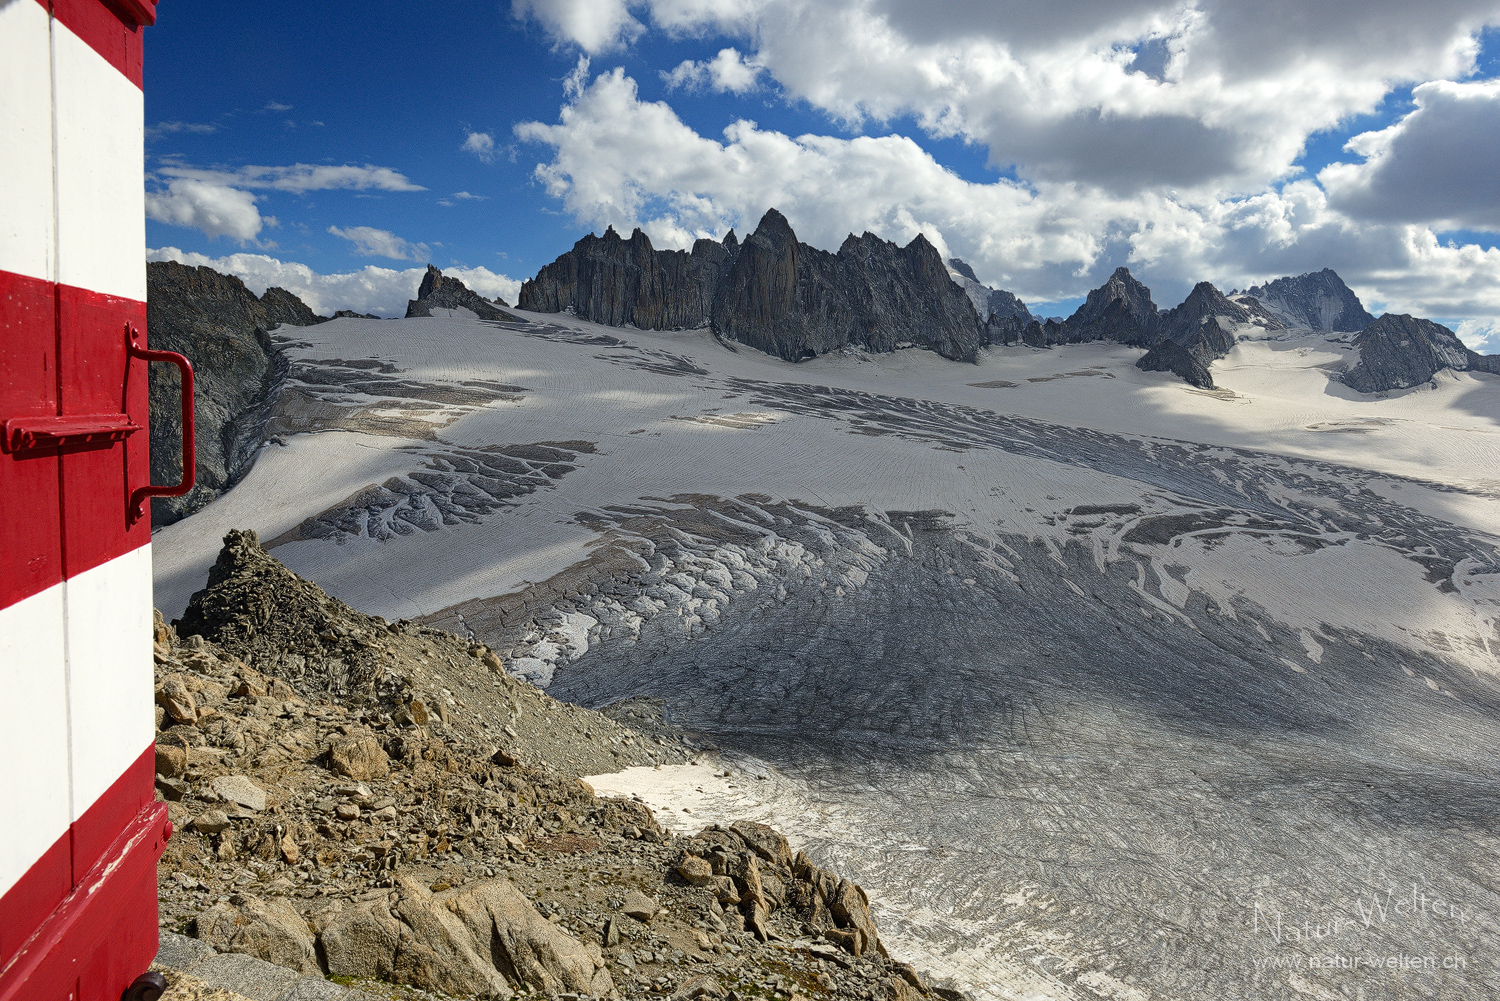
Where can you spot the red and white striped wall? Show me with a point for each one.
(80, 832)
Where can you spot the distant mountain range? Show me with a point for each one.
(773, 293)
(793, 300)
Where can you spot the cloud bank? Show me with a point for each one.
(1154, 134)
(382, 291)
(220, 202)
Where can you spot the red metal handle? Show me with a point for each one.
(141, 495)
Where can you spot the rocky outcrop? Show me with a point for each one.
(440, 291)
(1399, 351)
(628, 282)
(1319, 300)
(221, 327)
(772, 292)
(266, 929)
(1183, 361)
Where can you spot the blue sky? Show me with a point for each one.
(1175, 178)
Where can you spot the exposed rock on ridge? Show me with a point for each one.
(440, 291)
(1399, 351)
(220, 326)
(992, 304)
(619, 282)
(1319, 300)
(771, 292)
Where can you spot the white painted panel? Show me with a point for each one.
(110, 679)
(26, 141)
(101, 196)
(34, 807)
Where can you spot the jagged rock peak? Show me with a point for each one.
(1121, 287)
(1119, 310)
(220, 325)
(1202, 302)
(1319, 300)
(440, 291)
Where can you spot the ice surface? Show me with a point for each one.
(1077, 669)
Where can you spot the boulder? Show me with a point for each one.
(359, 757)
(211, 822)
(767, 842)
(532, 950)
(266, 929)
(174, 697)
(697, 871)
(171, 760)
(239, 789)
(482, 938)
(639, 906)
(851, 909)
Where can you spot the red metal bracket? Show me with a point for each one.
(141, 495)
(27, 434)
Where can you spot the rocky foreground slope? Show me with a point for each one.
(382, 804)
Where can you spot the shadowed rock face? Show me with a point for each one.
(1119, 310)
(1180, 360)
(1319, 300)
(221, 327)
(771, 292)
(618, 282)
(1399, 351)
(440, 291)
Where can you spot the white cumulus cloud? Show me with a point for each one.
(1123, 94)
(215, 209)
(593, 25)
(220, 203)
(481, 144)
(382, 291)
(371, 242)
(727, 71)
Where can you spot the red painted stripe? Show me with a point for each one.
(64, 865)
(112, 29)
(102, 822)
(46, 329)
(85, 913)
(30, 527)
